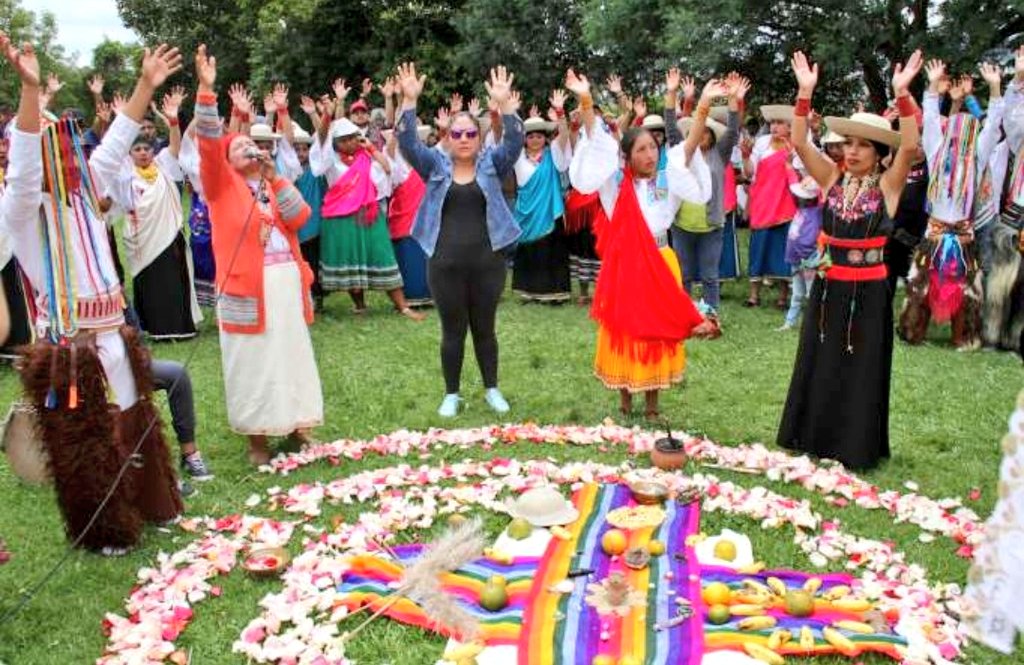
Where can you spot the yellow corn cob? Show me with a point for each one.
(746, 610)
(838, 640)
(812, 585)
(806, 638)
(777, 586)
(498, 556)
(752, 569)
(561, 532)
(757, 623)
(852, 604)
(763, 654)
(779, 638)
(855, 626)
(836, 592)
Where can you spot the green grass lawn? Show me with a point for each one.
(381, 373)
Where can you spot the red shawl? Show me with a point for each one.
(637, 298)
(583, 211)
(404, 203)
(354, 193)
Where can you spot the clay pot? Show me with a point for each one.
(667, 456)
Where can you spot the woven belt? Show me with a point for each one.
(856, 260)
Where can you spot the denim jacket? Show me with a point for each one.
(435, 167)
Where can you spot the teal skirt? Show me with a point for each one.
(355, 256)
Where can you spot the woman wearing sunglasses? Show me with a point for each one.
(463, 225)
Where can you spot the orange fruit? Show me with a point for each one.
(716, 593)
(614, 542)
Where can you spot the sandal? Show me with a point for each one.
(410, 313)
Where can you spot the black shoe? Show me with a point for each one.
(195, 466)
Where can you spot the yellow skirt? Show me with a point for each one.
(618, 369)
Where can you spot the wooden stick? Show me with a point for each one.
(381, 610)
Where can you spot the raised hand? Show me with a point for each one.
(806, 74)
(515, 102)
(903, 75)
(340, 88)
(206, 70)
(280, 96)
(387, 88)
(96, 85)
(268, 104)
(443, 120)
(103, 111)
(578, 84)
(672, 80)
(474, 107)
(118, 102)
(534, 111)
(409, 82)
(455, 103)
(992, 74)
(557, 99)
(936, 71)
(307, 105)
(639, 107)
(689, 87)
(172, 102)
(24, 61)
(713, 88)
(158, 65)
(367, 88)
(53, 84)
(967, 83)
(613, 83)
(499, 87)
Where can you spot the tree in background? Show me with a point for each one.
(116, 62)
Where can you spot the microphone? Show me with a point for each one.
(252, 153)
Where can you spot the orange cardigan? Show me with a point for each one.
(240, 308)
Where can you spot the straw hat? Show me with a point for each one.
(805, 189)
(343, 127)
(716, 127)
(868, 126)
(653, 121)
(543, 506)
(423, 131)
(537, 125)
(262, 132)
(832, 137)
(772, 112)
(719, 113)
(300, 135)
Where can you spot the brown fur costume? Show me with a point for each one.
(1000, 327)
(88, 444)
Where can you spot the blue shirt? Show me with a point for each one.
(435, 167)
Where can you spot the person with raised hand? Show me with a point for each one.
(642, 311)
(541, 266)
(271, 381)
(157, 253)
(465, 227)
(838, 403)
(85, 352)
(945, 281)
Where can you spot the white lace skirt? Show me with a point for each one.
(271, 380)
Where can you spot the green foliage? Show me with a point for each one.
(23, 25)
(117, 62)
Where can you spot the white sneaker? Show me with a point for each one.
(496, 400)
(784, 328)
(449, 406)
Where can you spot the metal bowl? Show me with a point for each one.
(649, 493)
(266, 561)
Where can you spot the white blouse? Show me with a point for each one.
(525, 167)
(596, 167)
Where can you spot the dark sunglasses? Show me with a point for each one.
(468, 133)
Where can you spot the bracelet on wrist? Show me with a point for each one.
(172, 122)
(906, 106)
(803, 107)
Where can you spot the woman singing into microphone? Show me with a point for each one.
(263, 304)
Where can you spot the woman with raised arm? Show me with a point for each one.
(838, 404)
(642, 311)
(465, 227)
(88, 375)
(156, 249)
(271, 382)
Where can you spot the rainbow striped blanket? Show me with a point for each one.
(372, 580)
(729, 636)
(562, 629)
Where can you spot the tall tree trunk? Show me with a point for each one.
(875, 82)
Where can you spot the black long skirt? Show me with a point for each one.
(163, 295)
(17, 307)
(541, 268)
(838, 403)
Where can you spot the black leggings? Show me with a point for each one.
(466, 294)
